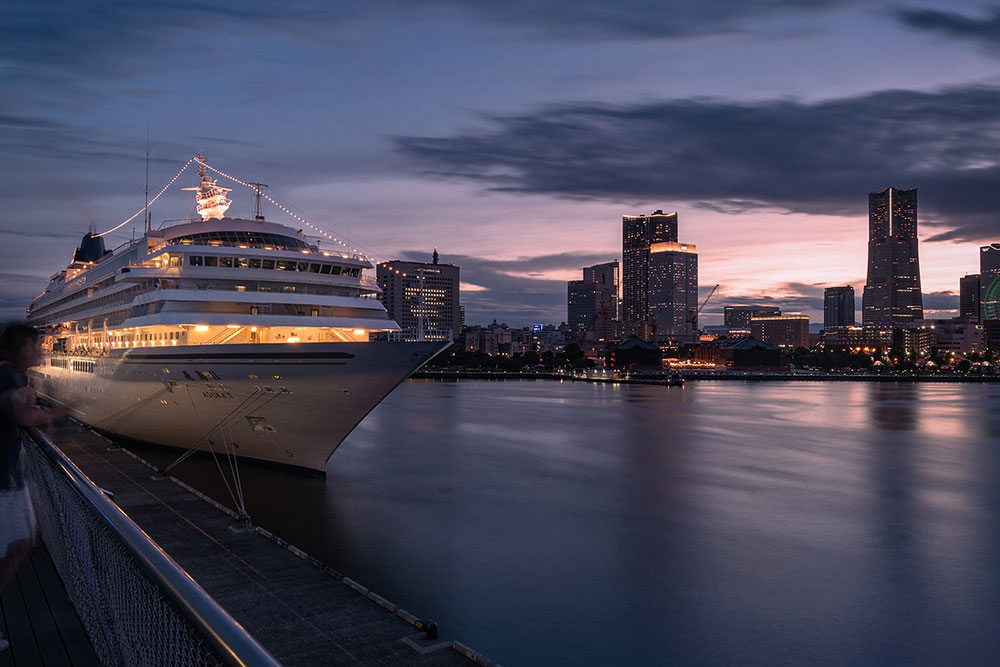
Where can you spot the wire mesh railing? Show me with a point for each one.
(136, 604)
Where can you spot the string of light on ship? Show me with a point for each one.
(245, 184)
(165, 188)
(285, 209)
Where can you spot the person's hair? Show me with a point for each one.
(14, 336)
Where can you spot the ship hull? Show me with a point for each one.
(291, 404)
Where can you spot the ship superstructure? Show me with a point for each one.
(221, 332)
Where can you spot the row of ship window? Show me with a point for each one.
(76, 365)
(274, 264)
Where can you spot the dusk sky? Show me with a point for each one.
(514, 135)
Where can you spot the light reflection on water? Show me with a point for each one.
(720, 523)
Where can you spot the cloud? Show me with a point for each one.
(943, 300)
(789, 297)
(599, 19)
(509, 287)
(952, 24)
(91, 35)
(807, 157)
(16, 290)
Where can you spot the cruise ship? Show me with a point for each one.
(221, 334)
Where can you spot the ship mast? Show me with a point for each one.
(211, 198)
(258, 213)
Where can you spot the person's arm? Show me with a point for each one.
(19, 406)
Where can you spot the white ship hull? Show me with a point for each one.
(291, 404)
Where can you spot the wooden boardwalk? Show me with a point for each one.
(302, 613)
(38, 620)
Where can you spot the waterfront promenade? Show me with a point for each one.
(303, 612)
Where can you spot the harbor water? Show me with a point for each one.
(721, 523)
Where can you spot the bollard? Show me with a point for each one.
(429, 627)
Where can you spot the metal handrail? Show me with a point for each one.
(233, 644)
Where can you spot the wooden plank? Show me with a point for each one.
(72, 634)
(6, 659)
(42, 624)
(23, 651)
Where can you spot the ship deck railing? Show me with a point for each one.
(137, 606)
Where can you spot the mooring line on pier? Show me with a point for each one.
(248, 402)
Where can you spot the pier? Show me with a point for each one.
(294, 609)
(39, 621)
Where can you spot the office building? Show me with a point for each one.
(838, 307)
(639, 232)
(673, 292)
(892, 296)
(969, 297)
(592, 303)
(738, 317)
(959, 335)
(410, 289)
(785, 331)
(989, 258)
(989, 282)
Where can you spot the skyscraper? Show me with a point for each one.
(892, 296)
(412, 288)
(592, 303)
(638, 233)
(969, 297)
(989, 258)
(989, 281)
(673, 291)
(838, 307)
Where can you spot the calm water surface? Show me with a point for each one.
(722, 523)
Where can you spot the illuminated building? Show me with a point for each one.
(989, 281)
(639, 232)
(991, 335)
(659, 279)
(969, 297)
(959, 335)
(409, 288)
(916, 340)
(723, 331)
(892, 296)
(989, 258)
(785, 331)
(673, 291)
(592, 303)
(739, 317)
(838, 307)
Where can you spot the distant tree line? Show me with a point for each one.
(827, 359)
(569, 357)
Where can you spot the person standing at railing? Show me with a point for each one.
(21, 348)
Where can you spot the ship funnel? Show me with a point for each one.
(91, 248)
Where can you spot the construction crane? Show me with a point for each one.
(693, 317)
(703, 303)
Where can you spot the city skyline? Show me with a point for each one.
(515, 139)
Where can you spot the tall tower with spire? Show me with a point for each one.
(892, 297)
